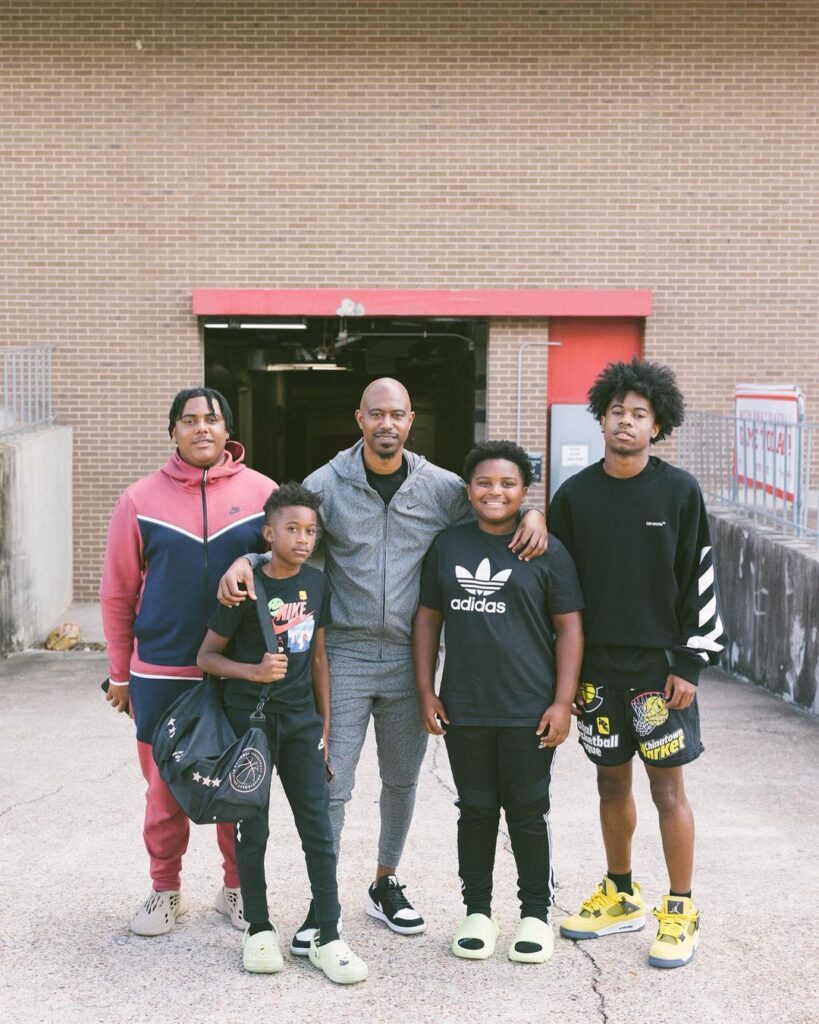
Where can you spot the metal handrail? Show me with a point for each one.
(763, 468)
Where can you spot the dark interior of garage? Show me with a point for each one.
(294, 384)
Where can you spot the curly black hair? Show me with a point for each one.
(288, 494)
(211, 395)
(498, 450)
(653, 381)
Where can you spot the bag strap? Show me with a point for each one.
(263, 614)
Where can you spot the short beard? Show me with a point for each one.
(625, 451)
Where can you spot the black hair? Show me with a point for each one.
(290, 493)
(211, 394)
(653, 381)
(498, 450)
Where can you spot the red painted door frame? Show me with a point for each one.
(586, 346)
(482, 302)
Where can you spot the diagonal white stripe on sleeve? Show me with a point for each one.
(708, 611)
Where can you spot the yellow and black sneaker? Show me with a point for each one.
(678, 932)
(606, 912)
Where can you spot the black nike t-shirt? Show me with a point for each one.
(500, 666)
(298, 605)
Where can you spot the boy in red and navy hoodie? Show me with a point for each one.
(172, 535)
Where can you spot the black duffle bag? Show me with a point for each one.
(214, 775)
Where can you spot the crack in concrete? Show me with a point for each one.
(34, 800)
(55, 792)
(596, 984)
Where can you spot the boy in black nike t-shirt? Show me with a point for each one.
(637, 530)
(506, 692)
(290, 690)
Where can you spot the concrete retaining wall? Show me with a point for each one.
(769, 588)
(35, 534)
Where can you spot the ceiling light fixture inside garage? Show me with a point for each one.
(252, 326)
(287, 367)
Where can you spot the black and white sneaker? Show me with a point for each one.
(386, 902)
(300, 944)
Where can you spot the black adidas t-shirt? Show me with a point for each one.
(299, 605)
(500, 667)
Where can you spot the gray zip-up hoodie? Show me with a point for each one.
(373, 552)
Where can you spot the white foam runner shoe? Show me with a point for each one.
(229, 903)
(158, 914)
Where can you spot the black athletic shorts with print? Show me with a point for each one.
(616, 724)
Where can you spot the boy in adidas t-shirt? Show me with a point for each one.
(286, 693)
(506, 692)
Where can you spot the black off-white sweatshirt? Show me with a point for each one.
(642, 549)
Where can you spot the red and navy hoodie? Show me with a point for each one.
(172, 535)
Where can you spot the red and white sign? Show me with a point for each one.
(768, 438)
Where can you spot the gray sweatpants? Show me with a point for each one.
(385, 690)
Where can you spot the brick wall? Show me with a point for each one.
(150, 147)
(505, 404)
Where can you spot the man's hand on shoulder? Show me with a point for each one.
(531, 537)
(237, 584)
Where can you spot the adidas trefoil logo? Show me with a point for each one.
(482, 585)
(483, 582)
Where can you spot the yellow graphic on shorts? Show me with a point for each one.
(589, 696)
(603, 726)
(650, 712)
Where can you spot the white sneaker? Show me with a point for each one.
(158, 913)
(229, 903)
(261, 953)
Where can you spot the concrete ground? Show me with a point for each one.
(70, 812)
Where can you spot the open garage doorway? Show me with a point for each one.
(294, 383)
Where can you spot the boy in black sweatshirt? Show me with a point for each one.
(637, 530)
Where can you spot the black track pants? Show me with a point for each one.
(494, 767)
(294, 738)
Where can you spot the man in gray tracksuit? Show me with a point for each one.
(382, 507)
